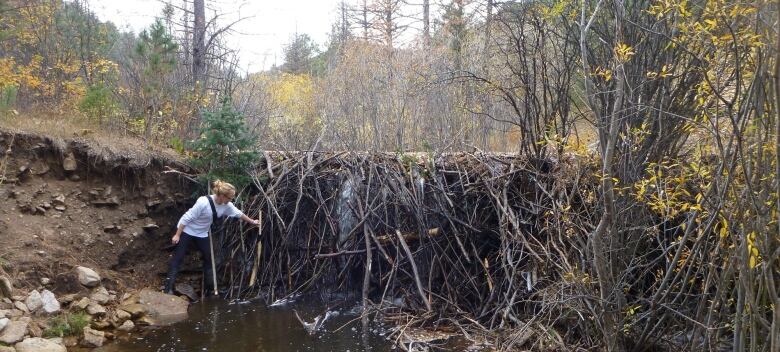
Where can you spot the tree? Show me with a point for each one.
(156, 55)
(224, 148)
(298, 54)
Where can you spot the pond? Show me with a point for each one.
(216, 325)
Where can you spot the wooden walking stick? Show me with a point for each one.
(213, 265)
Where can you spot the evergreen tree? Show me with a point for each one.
(225, 148)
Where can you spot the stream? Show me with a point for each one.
(216, 325)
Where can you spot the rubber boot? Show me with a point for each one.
(170, 281)
(208, 283)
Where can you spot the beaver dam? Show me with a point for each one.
(491, 248)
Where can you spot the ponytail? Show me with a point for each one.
(222, 188)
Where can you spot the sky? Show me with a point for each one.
(267, 25)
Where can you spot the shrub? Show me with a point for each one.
(67, 325)
(225, 149)
(98, 103)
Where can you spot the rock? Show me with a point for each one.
(187, 290)
(69, 163)
(100, 324)
(33, 301)
(45, 281)
(126, 326)
(109, 202)
(14, 332)
(121, 316)
(3, 323)
(151, 227)
(6, 289)
(58, 199)
(7, 349)
(66, 299)
(15, 313)
(74, 178)
(4, 313)
(50, 303)
(95, 309)
(34, 330)
(93, 338)
(60, 208)
(112, 229)
(100, 295)
(163, 309)
(21, 306)
(37, 344)
(70, 341)
(87, 276)
(82, 304)
(136, 310)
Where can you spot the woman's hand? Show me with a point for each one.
(175, 239)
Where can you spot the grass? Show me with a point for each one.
(62, 126)
(70, 324)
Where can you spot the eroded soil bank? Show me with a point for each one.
(83, 228)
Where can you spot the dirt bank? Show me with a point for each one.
(75, 202)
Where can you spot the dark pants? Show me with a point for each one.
(185, 241)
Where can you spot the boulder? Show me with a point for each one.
(3, 323)
(93, 338)
(6, 288)
(37, 344)
(50, 303)
(163, 309)
(69, 163)
(14, 332)
(127, 326)
(87, 276)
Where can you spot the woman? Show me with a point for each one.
(194, 228)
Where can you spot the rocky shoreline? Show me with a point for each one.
(38, 321)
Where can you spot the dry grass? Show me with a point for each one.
(61, 127)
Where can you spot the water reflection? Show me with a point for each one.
(251, 326)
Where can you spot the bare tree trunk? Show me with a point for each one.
(199, 42)
(427, 23)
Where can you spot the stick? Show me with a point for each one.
(213, 265)
(414, 269)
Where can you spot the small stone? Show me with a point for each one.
(14, 332)
(33, 301)
(7, 349)
(100, 295)
(46, 205)
(3, 323)
(74, 178)
(122, 315)
(66, 299)
(112, 229)
(100, 324)
(82, 304)
(87, 276)
(93, 338)
(136, 310)
(95, 309)
(58, 199)
(60, 208)
(45, 281)
(21, 306)
(151, 227)
(5, 313)
(69, 163)
(50, 303)
(37, 344)
(34, 330)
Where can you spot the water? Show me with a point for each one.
(251, 326)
